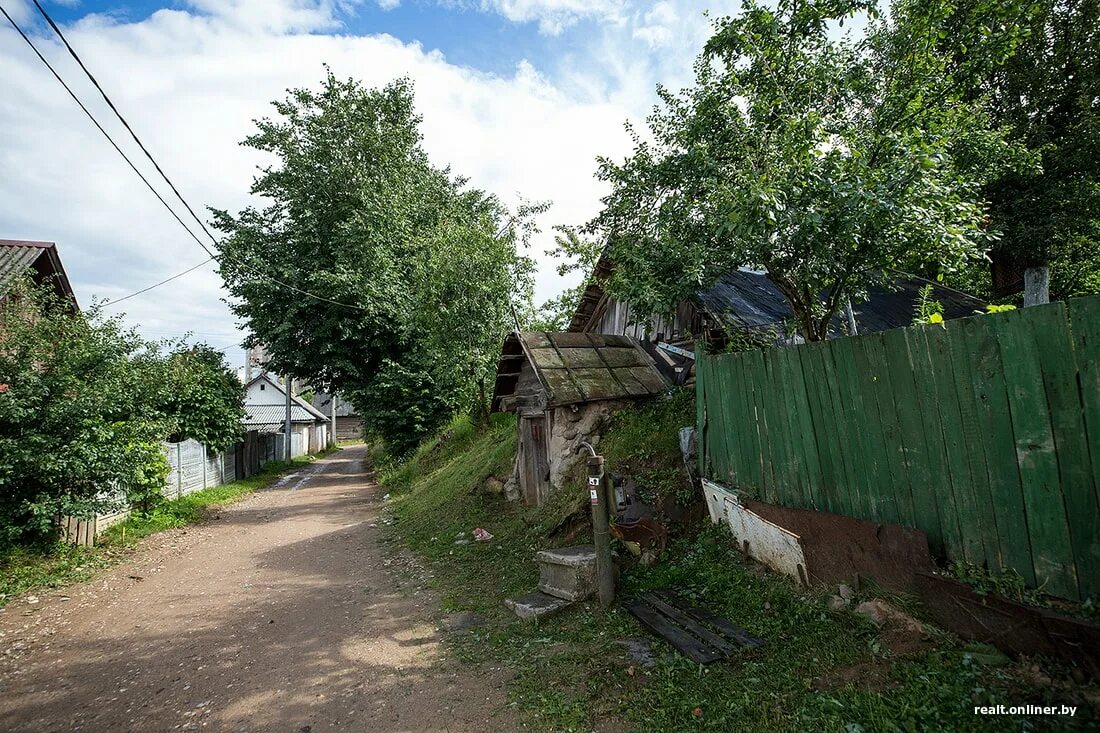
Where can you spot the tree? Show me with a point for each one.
(202, 397)
(1048, 96)
(76, 417)
(416, 271)
(823, 160)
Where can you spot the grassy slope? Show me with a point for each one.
(571, 675)
(27, 569)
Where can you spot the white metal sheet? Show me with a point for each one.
(778, 548)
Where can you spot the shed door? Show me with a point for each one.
(534, 474)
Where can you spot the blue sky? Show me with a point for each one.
(521, 96)
(466, 35)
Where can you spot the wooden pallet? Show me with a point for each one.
(695, 632)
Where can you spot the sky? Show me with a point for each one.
(520, 96)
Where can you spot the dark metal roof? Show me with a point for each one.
(38, 259)
(578, 367)
(745, 299)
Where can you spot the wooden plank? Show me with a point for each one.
(738, 412)
(728, 630)
(1050, 326)
(821, 415)
(880, 499)
(788, 491)
(882, 419)
(995, 425)
(919, 479)
(1084, 317)
(855, 406)
(845, 496)
(807, 439)
(968, 545)
(684, 642)
(984, 520)
(928, 407)
(1048, 527)
(702, 434)
(770, 435)
(751, 362)
(731, 380)
(696, 629)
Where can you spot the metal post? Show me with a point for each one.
(601, 535)
(286, 420)
(852, 331)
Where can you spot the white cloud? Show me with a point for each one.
(191, 82)
(554, 16)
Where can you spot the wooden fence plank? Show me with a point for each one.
(807, 437)
(863, 479)
(995, 423)
(813, 369)
(1046, 517)
(757, 470)
(897, 489)
(911, 436)
(1084, 317)
(1050, 326)
(947, 533)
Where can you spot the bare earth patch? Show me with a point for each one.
(280, 614)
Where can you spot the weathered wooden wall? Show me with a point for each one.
(984, 432)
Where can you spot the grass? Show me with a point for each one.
(820, 669)
(27, 569)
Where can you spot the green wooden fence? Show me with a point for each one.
(984, 432)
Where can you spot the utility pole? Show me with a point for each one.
(851, 317)
(334, 419)
(287, 386)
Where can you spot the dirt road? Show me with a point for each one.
(283, 614)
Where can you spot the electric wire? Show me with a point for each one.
(119, 150)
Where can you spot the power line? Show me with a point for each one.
(100, 127)
(95, 82)
(167, 180)
(162, 282)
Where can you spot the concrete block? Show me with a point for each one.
(568, 572)
(535, 605)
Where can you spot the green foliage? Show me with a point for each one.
(75, 419)
(418, 272)
(203, 397)
(929, 310)
(85, 406)
(1048, 95)
(644, 444)
(822, 159)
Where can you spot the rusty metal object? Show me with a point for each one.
(1014, 628)
(839, 548)
(648, 533)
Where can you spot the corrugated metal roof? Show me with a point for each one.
(15, 259)
(38, 259)
(745, 299)
(578, 367)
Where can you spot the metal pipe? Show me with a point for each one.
(601, 534)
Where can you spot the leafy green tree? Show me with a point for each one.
(819, 158)
(77, 417)
(416, 271)
(202, 397)
(1048, 96)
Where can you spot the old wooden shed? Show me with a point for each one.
(563, 387)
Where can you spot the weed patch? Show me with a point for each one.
(820, 670)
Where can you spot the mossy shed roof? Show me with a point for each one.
(577, 367)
